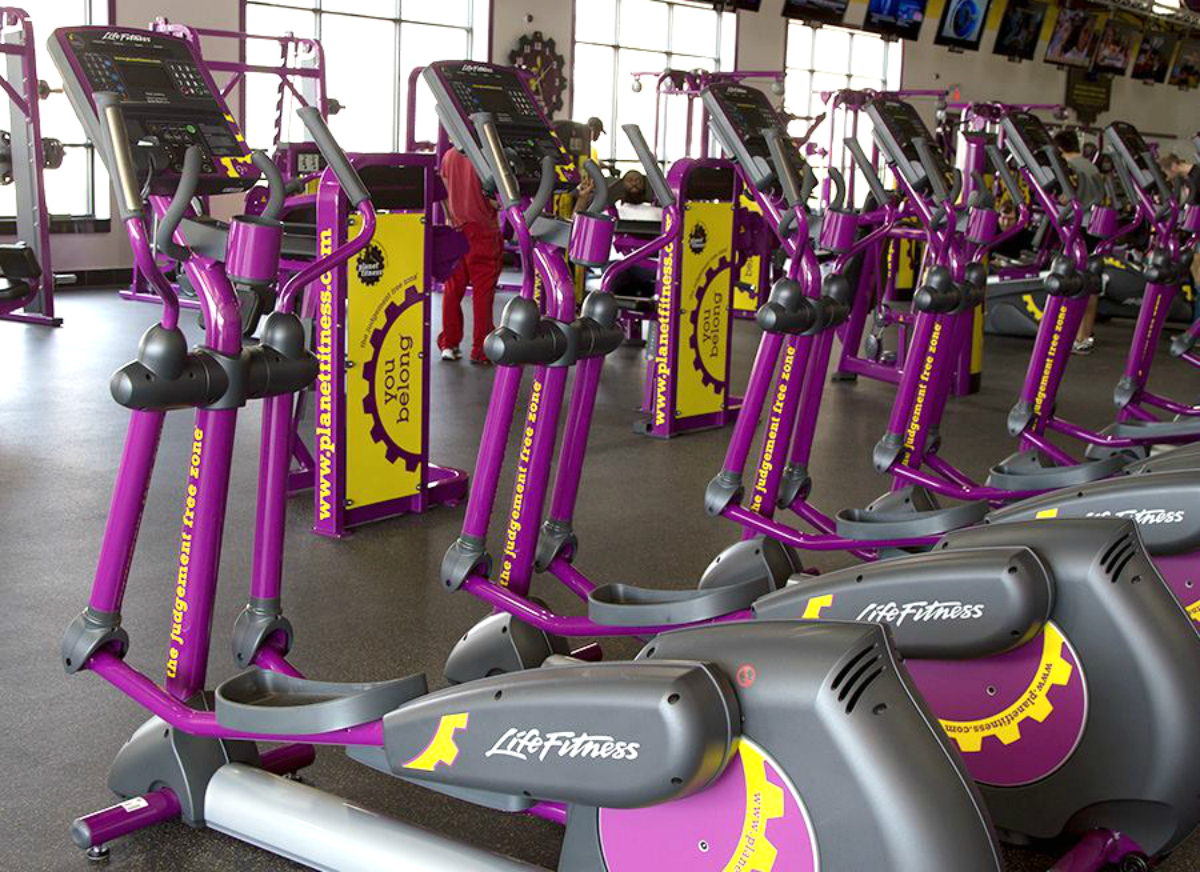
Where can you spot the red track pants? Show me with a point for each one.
(481, 268)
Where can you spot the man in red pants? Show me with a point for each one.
(475, 215)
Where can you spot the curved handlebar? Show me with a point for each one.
(654, 173)
(493, 152)
(1060, 172)
(868, 171)
(112, 122)
(1006, 177)
(599, 185)
(787, 180)
(809, 183)
(545, 189)
(839, 188)
(1126, 179)
(981, 195)
(276, 186)
(346, 175)
(956, 185)
(937, 182)
(189, 179)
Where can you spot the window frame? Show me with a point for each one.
(475, 30)
(95, 13)
(616, 48)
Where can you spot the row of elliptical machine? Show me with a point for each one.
(788, 377)
(668, 761)
(1031, 641)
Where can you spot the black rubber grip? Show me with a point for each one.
(783, 173)
(1127, 184)
(868, 171)
(347, 176)
(189, 179)
(600, 187)
(839, 188)
(270, 373)
(654, 173)
(981, 196)
(545, 190)
(936, 181)
(1006, 177)
(276, 187)
(1060, 172)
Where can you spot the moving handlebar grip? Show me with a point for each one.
(654, 173)
(839, 188)
(201, 382)
(347, 176)
(937, 181)
(545, 189)
(112, 122)
(787, 179)
(868, 171)
(493, 152)
(189, 179)
(276, 186)
(524, 336)
(1006, 176)
(599, 185)
(1060, 172)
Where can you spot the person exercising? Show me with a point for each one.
(475, 216)
(1089, 185)
(1174, 167)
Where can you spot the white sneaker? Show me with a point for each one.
(451, 354)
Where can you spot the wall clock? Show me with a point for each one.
(540, 58)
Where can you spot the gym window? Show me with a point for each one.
(615, 38)
(829, 59)
(75, 197)
(370, 48)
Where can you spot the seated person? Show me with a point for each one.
(629, 196)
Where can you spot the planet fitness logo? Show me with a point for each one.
(698, 239)
(371, 265)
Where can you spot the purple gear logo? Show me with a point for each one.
(708, 379)
(379, 430)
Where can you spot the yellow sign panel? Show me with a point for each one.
(705, 285)
(385, 351)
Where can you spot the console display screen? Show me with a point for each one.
(148, 78)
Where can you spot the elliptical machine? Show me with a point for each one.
(666, 761)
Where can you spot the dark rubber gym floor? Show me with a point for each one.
(368, 607)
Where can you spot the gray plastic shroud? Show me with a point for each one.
(260, 620)
(500, 644)
(1134, 770)
(158, 755)
(87, 633)
(1155, 429)
(1185, 458)
(618, 734)
(907, 513)
(879, 782)
(951, 605)
(1165, 506)
(1029, 470)
(760, 561)
(261, 701)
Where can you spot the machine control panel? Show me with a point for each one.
(897, 126)
(1129, 147)
(739, 116)
(464, 88)
(1027, 138)
(169, 103)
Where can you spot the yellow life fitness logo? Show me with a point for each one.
(442, 749)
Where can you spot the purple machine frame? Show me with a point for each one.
(1036, 411)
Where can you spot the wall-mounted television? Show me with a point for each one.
(899, 18)
(1186, 71)
(1020, 29)
(961, 26)
(1073, 42)
(1114, 51)
(816, 11)
(1154, 56)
